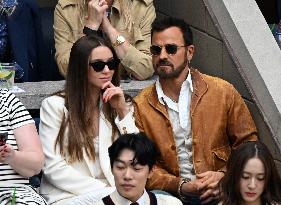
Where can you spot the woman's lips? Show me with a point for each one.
(250, 194)
(105, 79)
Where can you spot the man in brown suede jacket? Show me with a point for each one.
(194, 119)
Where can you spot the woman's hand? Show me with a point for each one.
(6, 153)
(96, 11)
(106, 25)
(115, 96)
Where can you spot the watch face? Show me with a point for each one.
(120, 39)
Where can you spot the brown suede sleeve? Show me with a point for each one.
(162, 180)
(240, 126)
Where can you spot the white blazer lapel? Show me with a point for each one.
(89, 163)
(105, 140)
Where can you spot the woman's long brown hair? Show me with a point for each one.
(76, 133)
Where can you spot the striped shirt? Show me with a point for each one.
(12, 115)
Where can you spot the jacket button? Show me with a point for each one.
(173, 147)
(124, 130)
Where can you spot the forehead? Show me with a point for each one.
(126, 156)
(171, 35)
(101, 52)
(254, 166)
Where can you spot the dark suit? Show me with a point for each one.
(26, 41)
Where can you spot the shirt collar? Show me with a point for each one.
(122, 200)
(160, 93)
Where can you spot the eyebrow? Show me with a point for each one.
(252, 173)
(104, 60)
(121, 161)
(130, 161)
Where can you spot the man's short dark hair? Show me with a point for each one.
(145, 150)
(160, 24)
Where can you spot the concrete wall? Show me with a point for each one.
(214, 55)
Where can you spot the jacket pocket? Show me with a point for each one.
(220, 157)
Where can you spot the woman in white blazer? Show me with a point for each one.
(79, 124)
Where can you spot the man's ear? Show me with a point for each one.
(151, 172)
(190, 52)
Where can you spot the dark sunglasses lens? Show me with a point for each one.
(155, 50)
(171, 49)
(112, 64)
(98, 66)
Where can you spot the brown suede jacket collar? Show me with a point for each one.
(200, 87)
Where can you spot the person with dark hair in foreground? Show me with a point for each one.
(194, 119)
(251, 177)
(132, 158)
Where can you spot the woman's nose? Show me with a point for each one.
(105, 69)
(252, 183)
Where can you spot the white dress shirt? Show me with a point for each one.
(179, 114)
(162, 199)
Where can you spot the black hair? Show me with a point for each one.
(160, 24)
(144, 149)
(229, 185)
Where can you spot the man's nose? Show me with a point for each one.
(163, 54)
(128, 174)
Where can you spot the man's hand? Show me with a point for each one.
(210, 180)
(193, 187)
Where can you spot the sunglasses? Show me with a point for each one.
(98, 66)
(171, 49)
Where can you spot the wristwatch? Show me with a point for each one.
(119, 40)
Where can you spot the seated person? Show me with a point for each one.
(21, 38)
(80, 123)
(127, 26)
(194, 119)
(21, 154)
(132, 157)
(251, 177)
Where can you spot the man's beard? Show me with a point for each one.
(174, 73)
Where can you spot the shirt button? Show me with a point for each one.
(125, 130)
(173, 147)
